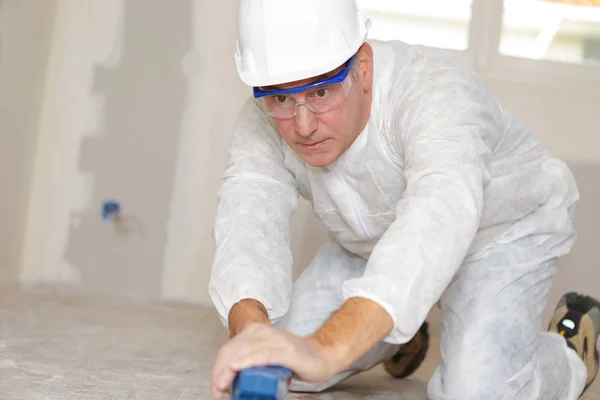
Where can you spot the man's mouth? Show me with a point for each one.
(313, 145)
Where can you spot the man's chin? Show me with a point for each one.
(321, 159)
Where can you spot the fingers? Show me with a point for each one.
(224, 381)
(255, 343)
(222, 375)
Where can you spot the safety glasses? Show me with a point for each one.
(318, 97)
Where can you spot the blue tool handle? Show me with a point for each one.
(261, 383)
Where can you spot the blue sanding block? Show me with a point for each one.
(261, 383)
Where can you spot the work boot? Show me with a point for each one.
(410, 356)
(577, 319)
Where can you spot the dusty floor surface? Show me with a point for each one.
(73, 348)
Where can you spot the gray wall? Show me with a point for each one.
(134, 157)
(24, 44)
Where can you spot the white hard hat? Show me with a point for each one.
(283, 41)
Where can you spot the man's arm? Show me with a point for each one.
(256, 200)
(445, 127)
(357, 326)
(244, 313)
(349, 333)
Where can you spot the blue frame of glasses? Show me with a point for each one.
(337, 78)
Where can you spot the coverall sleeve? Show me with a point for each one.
(443, 124)
(256, 200)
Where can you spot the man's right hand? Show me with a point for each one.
(244, 313)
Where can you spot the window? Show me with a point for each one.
(566, 31)
(435, 23)
(549, 42)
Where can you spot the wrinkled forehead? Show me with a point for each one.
(304, 82)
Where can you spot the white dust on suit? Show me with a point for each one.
(444, 197)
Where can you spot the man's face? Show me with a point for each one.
(320, 138)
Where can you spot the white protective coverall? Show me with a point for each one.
(443, 198)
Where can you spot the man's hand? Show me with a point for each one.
(350, 332)
(260, 344)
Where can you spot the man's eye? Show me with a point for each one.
(280, 99)
(322, 92)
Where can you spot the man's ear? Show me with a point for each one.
(364, 61)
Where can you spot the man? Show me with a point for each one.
(434, 194)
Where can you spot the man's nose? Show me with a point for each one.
(305, 121)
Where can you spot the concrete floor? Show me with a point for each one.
(74, 348)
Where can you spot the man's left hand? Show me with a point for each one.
(261, 345)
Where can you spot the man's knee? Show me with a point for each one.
(465, 382)
(478, 373)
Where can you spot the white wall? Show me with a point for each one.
(64, 231)
(24, 33)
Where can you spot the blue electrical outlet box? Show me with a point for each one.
(261, 383)
(110, 210)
